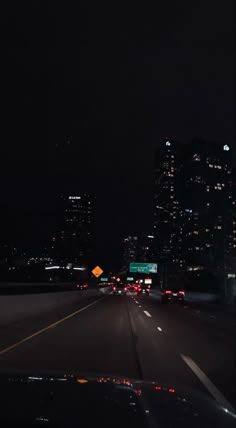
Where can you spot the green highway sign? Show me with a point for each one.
(143, 267)
(104, 279)
(129, 278)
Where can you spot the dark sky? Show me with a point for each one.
(88, 93)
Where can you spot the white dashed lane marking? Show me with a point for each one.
(159, 328)
(147, 313)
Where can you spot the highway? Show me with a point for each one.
(130, 336)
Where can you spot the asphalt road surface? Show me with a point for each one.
(134, 337)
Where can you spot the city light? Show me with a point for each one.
(74, 197)
(51, 267)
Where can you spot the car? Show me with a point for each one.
(81, 286)
(175, 294)
(143, 289)
(120, 289)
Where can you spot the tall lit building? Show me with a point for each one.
(205, 204)
(166, 226)
(232, 236)
(193, 206)
(145, 253)
(75, 241)
(130, 251)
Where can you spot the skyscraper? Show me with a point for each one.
(166, 227)
(75, 241)
(193, 211)
(130, 251)
(145, 253)
(205, 204)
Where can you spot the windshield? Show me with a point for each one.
(118, 171)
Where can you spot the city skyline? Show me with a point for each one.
(145, 226)
(90, 109)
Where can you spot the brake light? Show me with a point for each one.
(171, 390)
(182, 292)
(125, 288)
(158, 388)
(114, 288)
(167, 291)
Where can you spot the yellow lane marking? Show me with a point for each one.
(3, 351)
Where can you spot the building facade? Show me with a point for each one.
(193, 206)
(139, 248)
(166, 224)
(130, 251)
(204, 176)
(145, 253)
(75, 242)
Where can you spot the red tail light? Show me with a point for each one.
(158, 388)
(167, 291)
(125, 288)
(171, 390)
(114, 288)
(182, 292)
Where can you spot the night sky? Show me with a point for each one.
(90, 91)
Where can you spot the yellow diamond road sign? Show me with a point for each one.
(97, 271)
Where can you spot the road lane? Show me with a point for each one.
(210, 345)
(96, 340)
(116, 337)
(29, 323)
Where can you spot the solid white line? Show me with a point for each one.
(147, 313)
(159, 328)
(3, 351)
(207, 383)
